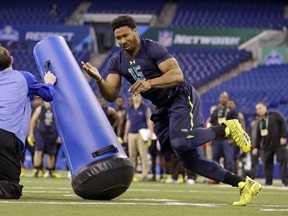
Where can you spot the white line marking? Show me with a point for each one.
(116, 203)
(157, 200)
(274, 210)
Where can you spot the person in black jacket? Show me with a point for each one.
(271, 139)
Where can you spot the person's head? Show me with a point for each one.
(223, 98)
(126, 33)
(130, 101)
(212, 108)
(120, 102)
(37, 101)
(47, 105)
(261, 109)
(231, 104)
(137, 99)
(101, 100)
(6, 59)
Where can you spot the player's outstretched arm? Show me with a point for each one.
(110, 87)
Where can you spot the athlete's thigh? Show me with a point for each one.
(185, 113)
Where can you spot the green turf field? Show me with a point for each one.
(53, 197)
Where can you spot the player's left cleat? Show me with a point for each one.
(235, 131)
(248, 190)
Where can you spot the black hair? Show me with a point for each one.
(5, 60)
(121, 21)
(261, 102)
(232, 99)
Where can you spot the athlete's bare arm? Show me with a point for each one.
(110, 87)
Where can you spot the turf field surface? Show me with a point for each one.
(55, 197)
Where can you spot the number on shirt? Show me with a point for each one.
(136, 73)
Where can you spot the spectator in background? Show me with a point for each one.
(178, 172)
(17, 89)
(121, 111)
(54, 10)
(231, 104)
(138, 117)
(223, 147)
(155, 152)
(46, 140)
(29, 144)
(254, 158)
(271, 140)
(207, 148)
(110, 113)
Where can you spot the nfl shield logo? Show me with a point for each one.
(165, 38)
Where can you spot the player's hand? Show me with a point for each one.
(50, 78)
(58, 140)
(255, 151)
(140, 86)
(91, 71)
(283, 141)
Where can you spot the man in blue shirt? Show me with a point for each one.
(17, 89)
(138, 118)
(155, 74)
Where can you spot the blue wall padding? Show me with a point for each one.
(80, 120)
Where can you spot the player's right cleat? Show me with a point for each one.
(248, 190)
(234, 131)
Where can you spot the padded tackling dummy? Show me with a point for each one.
(100, 168)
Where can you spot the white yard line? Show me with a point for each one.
(114, 203)
(274, 210)
(159, 202)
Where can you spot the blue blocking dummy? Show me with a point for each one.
(99, 167)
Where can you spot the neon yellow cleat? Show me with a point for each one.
(38, 173)
(52, 174)
(22, 172)
(234, 131)
(248, 190)
(181, 179)
(135, 179)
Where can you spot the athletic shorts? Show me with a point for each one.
(46, 142)
(179, 116)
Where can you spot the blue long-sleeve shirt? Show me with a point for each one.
(17, 89)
